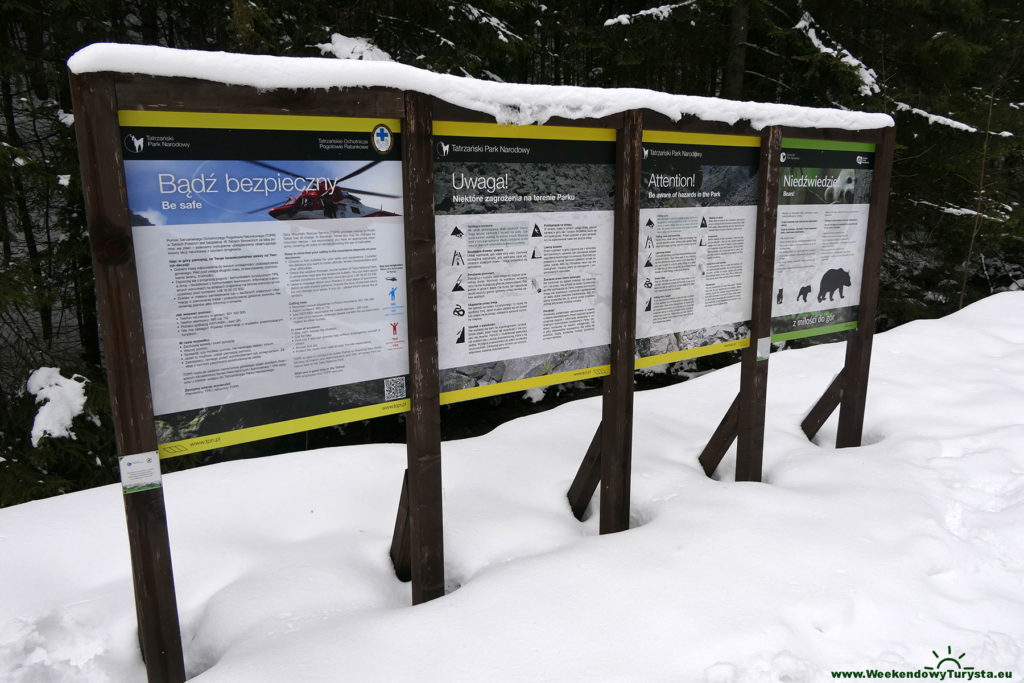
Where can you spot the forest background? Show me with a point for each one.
(948, 71)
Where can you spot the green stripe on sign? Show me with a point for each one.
(835, 145)
(814, 332)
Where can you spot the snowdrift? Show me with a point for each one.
(890, 557)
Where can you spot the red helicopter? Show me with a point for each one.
(325, 200)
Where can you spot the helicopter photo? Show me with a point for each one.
(326, 199)
(188, 192)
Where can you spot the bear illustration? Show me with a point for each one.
(778, 297)
(843, 191)
(833, 279)
(804, 291)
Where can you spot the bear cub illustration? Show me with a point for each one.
(833, 279)
(804, 291)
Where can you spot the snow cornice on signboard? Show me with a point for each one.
(508, 103)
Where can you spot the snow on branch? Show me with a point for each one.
(63, 399)
(868, 77)
(344, 47)
(480, 16)
(935, 118)
(660, 13)
(959, 211)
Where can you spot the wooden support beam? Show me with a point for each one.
(617, 406)
(120, 314)
(400, 547)
(754, 364)
(583, 487)
(720, 441)
(828, 402)
(423, 423)
(858, 348)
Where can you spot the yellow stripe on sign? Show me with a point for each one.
(205, 443)
(685, 354)
(496, 130)
(523, 384)
(678, 138)
(198, 119)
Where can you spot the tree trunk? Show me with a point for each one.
(736, 59)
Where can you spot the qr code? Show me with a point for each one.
(394, 388)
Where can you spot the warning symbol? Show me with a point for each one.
(703, 241)
(649, 244)
(458, 285)
(650, 223)
(536, 254)
(647, 309)
(462, 336)
(457, 259)
(650, 261)
(536, 231)
(703, 222)
(459, 310)
(648, 284)
(456, 232)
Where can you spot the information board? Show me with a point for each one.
(698, 211)
(824, 201)
(523, 219)
(270, 257)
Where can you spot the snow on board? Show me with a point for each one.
(508, 103)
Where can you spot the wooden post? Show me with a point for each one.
(120, 314)
(754, 364)
(423, 423)
(720, 441)
(617, 406)
(828, 402)
(858, 347)
(581, 492)
(400, 546)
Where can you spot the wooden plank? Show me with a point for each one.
(691, 124)
(423, 423)
(190, 94)
(825, 406)
(720, 441)
(400, 556)
(858, 348)
(106, 207)
(446, 111)
(587, 478)
(617, 404)
(873, 135)
(754, 363)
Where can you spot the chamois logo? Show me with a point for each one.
(443, 148)
(133, 144)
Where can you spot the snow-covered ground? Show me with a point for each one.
(892, 556)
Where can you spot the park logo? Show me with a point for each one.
(133, 144)
(382, 138)
(443, 148)
(862, 160)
